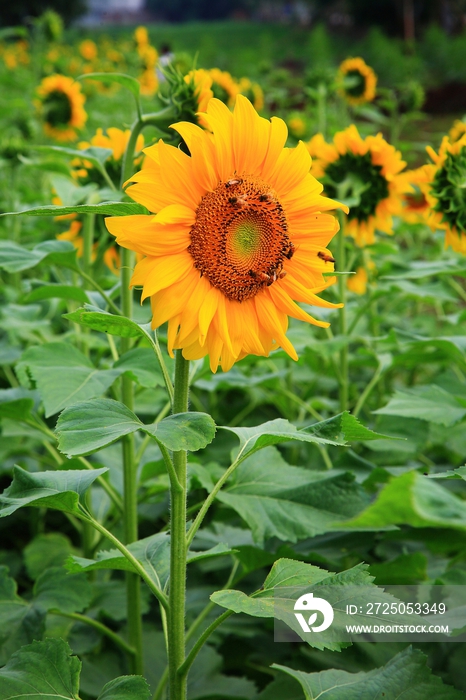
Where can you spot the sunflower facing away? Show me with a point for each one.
(238, 238)
(365, 170)
(115, 140)
(357, 81)
(447, 193)
(61, 104)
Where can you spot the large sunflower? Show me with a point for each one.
(356, 81)
(366, 170)
(447, 193)
(61, 104)
(238, 238)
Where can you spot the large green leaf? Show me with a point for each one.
(63, 375)
(272, 433)
(347, 427)
(58, 490)
(142, 366)
(126, 688)
(415, 500)
(106, 323)
(405, 676)
(47, 671)
(289, 579)
(291, 503)
(430, 403)
(16, 258)
(44, 670)
(20, 622)
(16, 403)
(57, 291)
(56, 589)
(88, 426)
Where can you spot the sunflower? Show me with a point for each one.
(357, 81)
(447, 193)
(61, 105)
(224, 86)
(366, 170)
(416, 206)
(115, 140)
(88, 49)
(200, 82)
(253, 92)
(457, 130)
(357, 283)
(238, 238)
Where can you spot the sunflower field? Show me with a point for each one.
(233, 365)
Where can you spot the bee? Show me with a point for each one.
(238, 202)
(231, 183)
(325, 257)
(290, 251)
(266, 197)
(261, 277)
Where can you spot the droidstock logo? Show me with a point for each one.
(308, 603)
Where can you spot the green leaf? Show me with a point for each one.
(56, 291)
(88, 426)
(41, 669)
(272, 433)
(55, 589)
(289, 579)
(205, 680)
(406, 675)
(103, 208)
(126, 81)
(142, 366)
(20, 623)
(430, 403)
(407, 569)
(416, 500)
(16, 258)
(46, 550)
(419, 269)
(58, 490)
(184, 431)
(153, 552)
(106, 323)
(459, 473)
(16, 403)
(126, 688)
(63, 375)
(348, 426)
(278, 500)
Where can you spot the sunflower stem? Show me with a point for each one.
(342, 314)
(178, 547)
(322, 109)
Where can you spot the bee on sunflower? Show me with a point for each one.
(356, 81)
(366, 173)
(239, 235)
(447, 193)
(61, 105)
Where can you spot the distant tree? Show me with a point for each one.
(20, 11)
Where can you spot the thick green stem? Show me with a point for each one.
(342, 315)
(178, 547)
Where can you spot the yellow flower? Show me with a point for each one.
(72, 235)
(416, 206)
(114, 139)
(447, 194)
(224, 87)
(201, 83)
(357, 81)
(88, 49)
(253, 92)
(457, 130)
(367, 170)
(238, 238)
(358, 283)
(149, 82)
(297, 126)
(112, 260)
(141, 36)
(61, 104)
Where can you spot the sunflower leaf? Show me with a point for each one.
(105, 208)
(56, 291)
(430, 403)
(106, 323)
(16, 258)
(407, 674)
(59, 490)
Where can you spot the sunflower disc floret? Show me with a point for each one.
(239, 236)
